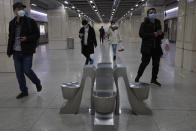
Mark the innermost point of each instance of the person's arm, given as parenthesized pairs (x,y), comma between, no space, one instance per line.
(109,31)
(94,35)
(144,34)
(35,34)
(9,42)
(118,36)
(160,32)
(80,34)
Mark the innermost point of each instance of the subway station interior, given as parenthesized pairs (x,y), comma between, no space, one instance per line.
(102,95)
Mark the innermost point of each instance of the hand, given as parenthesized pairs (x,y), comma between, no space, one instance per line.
(160,32)
(156,34)
(9,55)
(22,39)
(81,35)
(167,47)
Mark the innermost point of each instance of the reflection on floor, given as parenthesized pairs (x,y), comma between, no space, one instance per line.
(173,105)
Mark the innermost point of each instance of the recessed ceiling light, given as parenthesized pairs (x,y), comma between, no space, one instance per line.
(136,5)
(73,7)
(66,2)
(93,6)
(33,4)
(91,1)
(131,8)
(96,10)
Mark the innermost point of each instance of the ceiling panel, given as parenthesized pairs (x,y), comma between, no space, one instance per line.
(104,7)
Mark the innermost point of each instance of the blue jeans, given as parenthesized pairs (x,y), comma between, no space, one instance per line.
(114,48)
(23,65)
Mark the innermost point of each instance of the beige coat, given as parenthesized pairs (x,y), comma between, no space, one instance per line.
(114,36)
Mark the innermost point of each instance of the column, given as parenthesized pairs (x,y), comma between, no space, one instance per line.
(74,27)
(6,14)
(58,28)
(189,59)
(180,34)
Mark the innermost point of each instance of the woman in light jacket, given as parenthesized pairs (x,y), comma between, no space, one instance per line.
(114,37)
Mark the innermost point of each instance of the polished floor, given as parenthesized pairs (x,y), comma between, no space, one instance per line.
(173,105)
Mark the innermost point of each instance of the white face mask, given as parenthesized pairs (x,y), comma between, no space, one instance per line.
(21,13)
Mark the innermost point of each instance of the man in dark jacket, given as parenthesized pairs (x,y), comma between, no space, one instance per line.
(88,41)
(23,37)
(151,34)
(102,34)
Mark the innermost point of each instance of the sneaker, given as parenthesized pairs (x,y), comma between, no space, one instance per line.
(21,95)
(92,61)
(39,87)
(137,79)
(156,83)
(120,50)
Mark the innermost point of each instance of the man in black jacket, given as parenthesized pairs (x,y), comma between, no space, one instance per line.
(102,34)
(151,34)
(23,37)
(88,41)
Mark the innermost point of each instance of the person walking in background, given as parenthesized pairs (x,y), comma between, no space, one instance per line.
(23,37)
(114,37)
(165,45)
(102,34)
(151,34)
(88,41)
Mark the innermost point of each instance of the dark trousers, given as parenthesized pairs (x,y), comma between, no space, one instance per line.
(146,61)
(88,58)
(101,38)
(23,65)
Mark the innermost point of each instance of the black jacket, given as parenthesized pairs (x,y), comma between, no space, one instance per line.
(151,45)
(91,43)
(29,29)
(102,31)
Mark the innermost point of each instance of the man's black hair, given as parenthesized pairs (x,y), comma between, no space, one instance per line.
(84,22)
(148,11)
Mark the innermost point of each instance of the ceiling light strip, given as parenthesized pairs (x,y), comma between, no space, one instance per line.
(94,7)
(133,9)
(114,8)
(68,4)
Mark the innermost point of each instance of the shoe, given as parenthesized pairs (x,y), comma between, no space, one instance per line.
(120,50)
(39,87)
(21,95)
(92,61)
(137,79)
(156,83)
(114,58)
